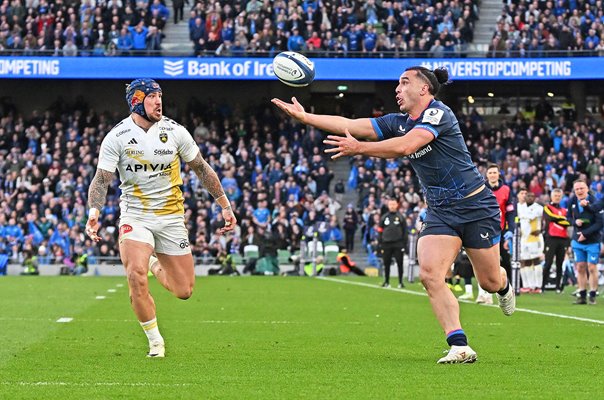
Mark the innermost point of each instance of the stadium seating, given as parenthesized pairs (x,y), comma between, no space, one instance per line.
(251,251)
(331,254)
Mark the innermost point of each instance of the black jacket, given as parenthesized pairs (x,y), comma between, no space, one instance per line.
(591,215)
(393,228)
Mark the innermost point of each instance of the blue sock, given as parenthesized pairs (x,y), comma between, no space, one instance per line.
(457,338)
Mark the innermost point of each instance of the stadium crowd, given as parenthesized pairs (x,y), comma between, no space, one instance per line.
(274,172)
(333,28)
(235,27)
(549,29)
(87,28)
(341,28)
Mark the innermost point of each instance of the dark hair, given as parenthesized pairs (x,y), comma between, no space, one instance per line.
(492,165)
(435,79)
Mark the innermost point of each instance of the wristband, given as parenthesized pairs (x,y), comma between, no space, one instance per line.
(227,199)
(94,213)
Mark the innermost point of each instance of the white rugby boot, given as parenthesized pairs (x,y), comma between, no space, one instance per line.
(507,302)
(157,350)
(459,355)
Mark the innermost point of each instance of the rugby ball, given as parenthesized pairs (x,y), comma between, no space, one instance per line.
(293,69)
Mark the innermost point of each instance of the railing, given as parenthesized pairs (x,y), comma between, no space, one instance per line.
(470,52)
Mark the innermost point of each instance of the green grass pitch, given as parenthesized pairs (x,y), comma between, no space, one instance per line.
(286,338)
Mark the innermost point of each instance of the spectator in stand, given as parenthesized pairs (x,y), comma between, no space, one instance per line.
(139,37)
(178,10)
(295,41)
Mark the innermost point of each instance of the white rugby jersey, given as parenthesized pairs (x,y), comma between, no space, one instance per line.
(530,220)
(149,165)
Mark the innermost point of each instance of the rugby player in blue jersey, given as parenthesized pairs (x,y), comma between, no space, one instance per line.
(462,211)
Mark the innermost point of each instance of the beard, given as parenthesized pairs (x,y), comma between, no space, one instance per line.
(155,117)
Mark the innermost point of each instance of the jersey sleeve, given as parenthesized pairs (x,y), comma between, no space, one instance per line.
(187,148)
(386,126)
(109,156)
(435,120)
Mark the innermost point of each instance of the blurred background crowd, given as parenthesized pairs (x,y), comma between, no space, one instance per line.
(274,172)
(397,28)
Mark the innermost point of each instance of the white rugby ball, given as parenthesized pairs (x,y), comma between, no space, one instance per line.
(293,69)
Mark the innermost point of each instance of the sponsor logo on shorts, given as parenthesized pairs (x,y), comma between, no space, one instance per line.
(485,236)
(423,227)
(184,243)
(125,229)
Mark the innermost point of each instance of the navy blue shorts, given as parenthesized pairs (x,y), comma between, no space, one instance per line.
(475,220)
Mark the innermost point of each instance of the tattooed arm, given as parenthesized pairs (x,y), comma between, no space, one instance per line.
(209,179)
(97,194)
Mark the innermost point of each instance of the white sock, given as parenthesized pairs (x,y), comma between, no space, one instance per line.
(482,292)
(470,290)
(538,276)
(152,331)
(524,273)
(152,261)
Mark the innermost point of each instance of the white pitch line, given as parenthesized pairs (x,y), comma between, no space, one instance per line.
(65,320)
(526,310)
(111,290)
(119,285)
(100,297)
(89,384)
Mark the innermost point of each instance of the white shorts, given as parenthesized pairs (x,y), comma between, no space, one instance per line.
(165,235)
(531,250)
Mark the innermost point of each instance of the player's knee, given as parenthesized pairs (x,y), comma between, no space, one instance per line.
(184,293)
(137,280)
(491,284)
(428,277)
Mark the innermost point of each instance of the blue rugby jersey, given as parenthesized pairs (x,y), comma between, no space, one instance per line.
(444,166)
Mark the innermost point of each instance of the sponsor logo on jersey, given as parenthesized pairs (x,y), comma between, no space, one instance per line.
(401,129)
(133,141)
(433,116)
(148,167)
(420,153)
(166,128)
(163,152)
(125,229)
(163,137)
(120,133)
(137,98)
(133,152)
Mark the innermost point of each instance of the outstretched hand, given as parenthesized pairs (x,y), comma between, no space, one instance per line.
(293,109)
(343,145)
(229,221)
(92,229)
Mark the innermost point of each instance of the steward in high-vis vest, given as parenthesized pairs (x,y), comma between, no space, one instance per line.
(30,264)
(347,265)
(556,237)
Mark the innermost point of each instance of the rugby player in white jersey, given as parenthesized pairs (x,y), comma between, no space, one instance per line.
(146,148)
